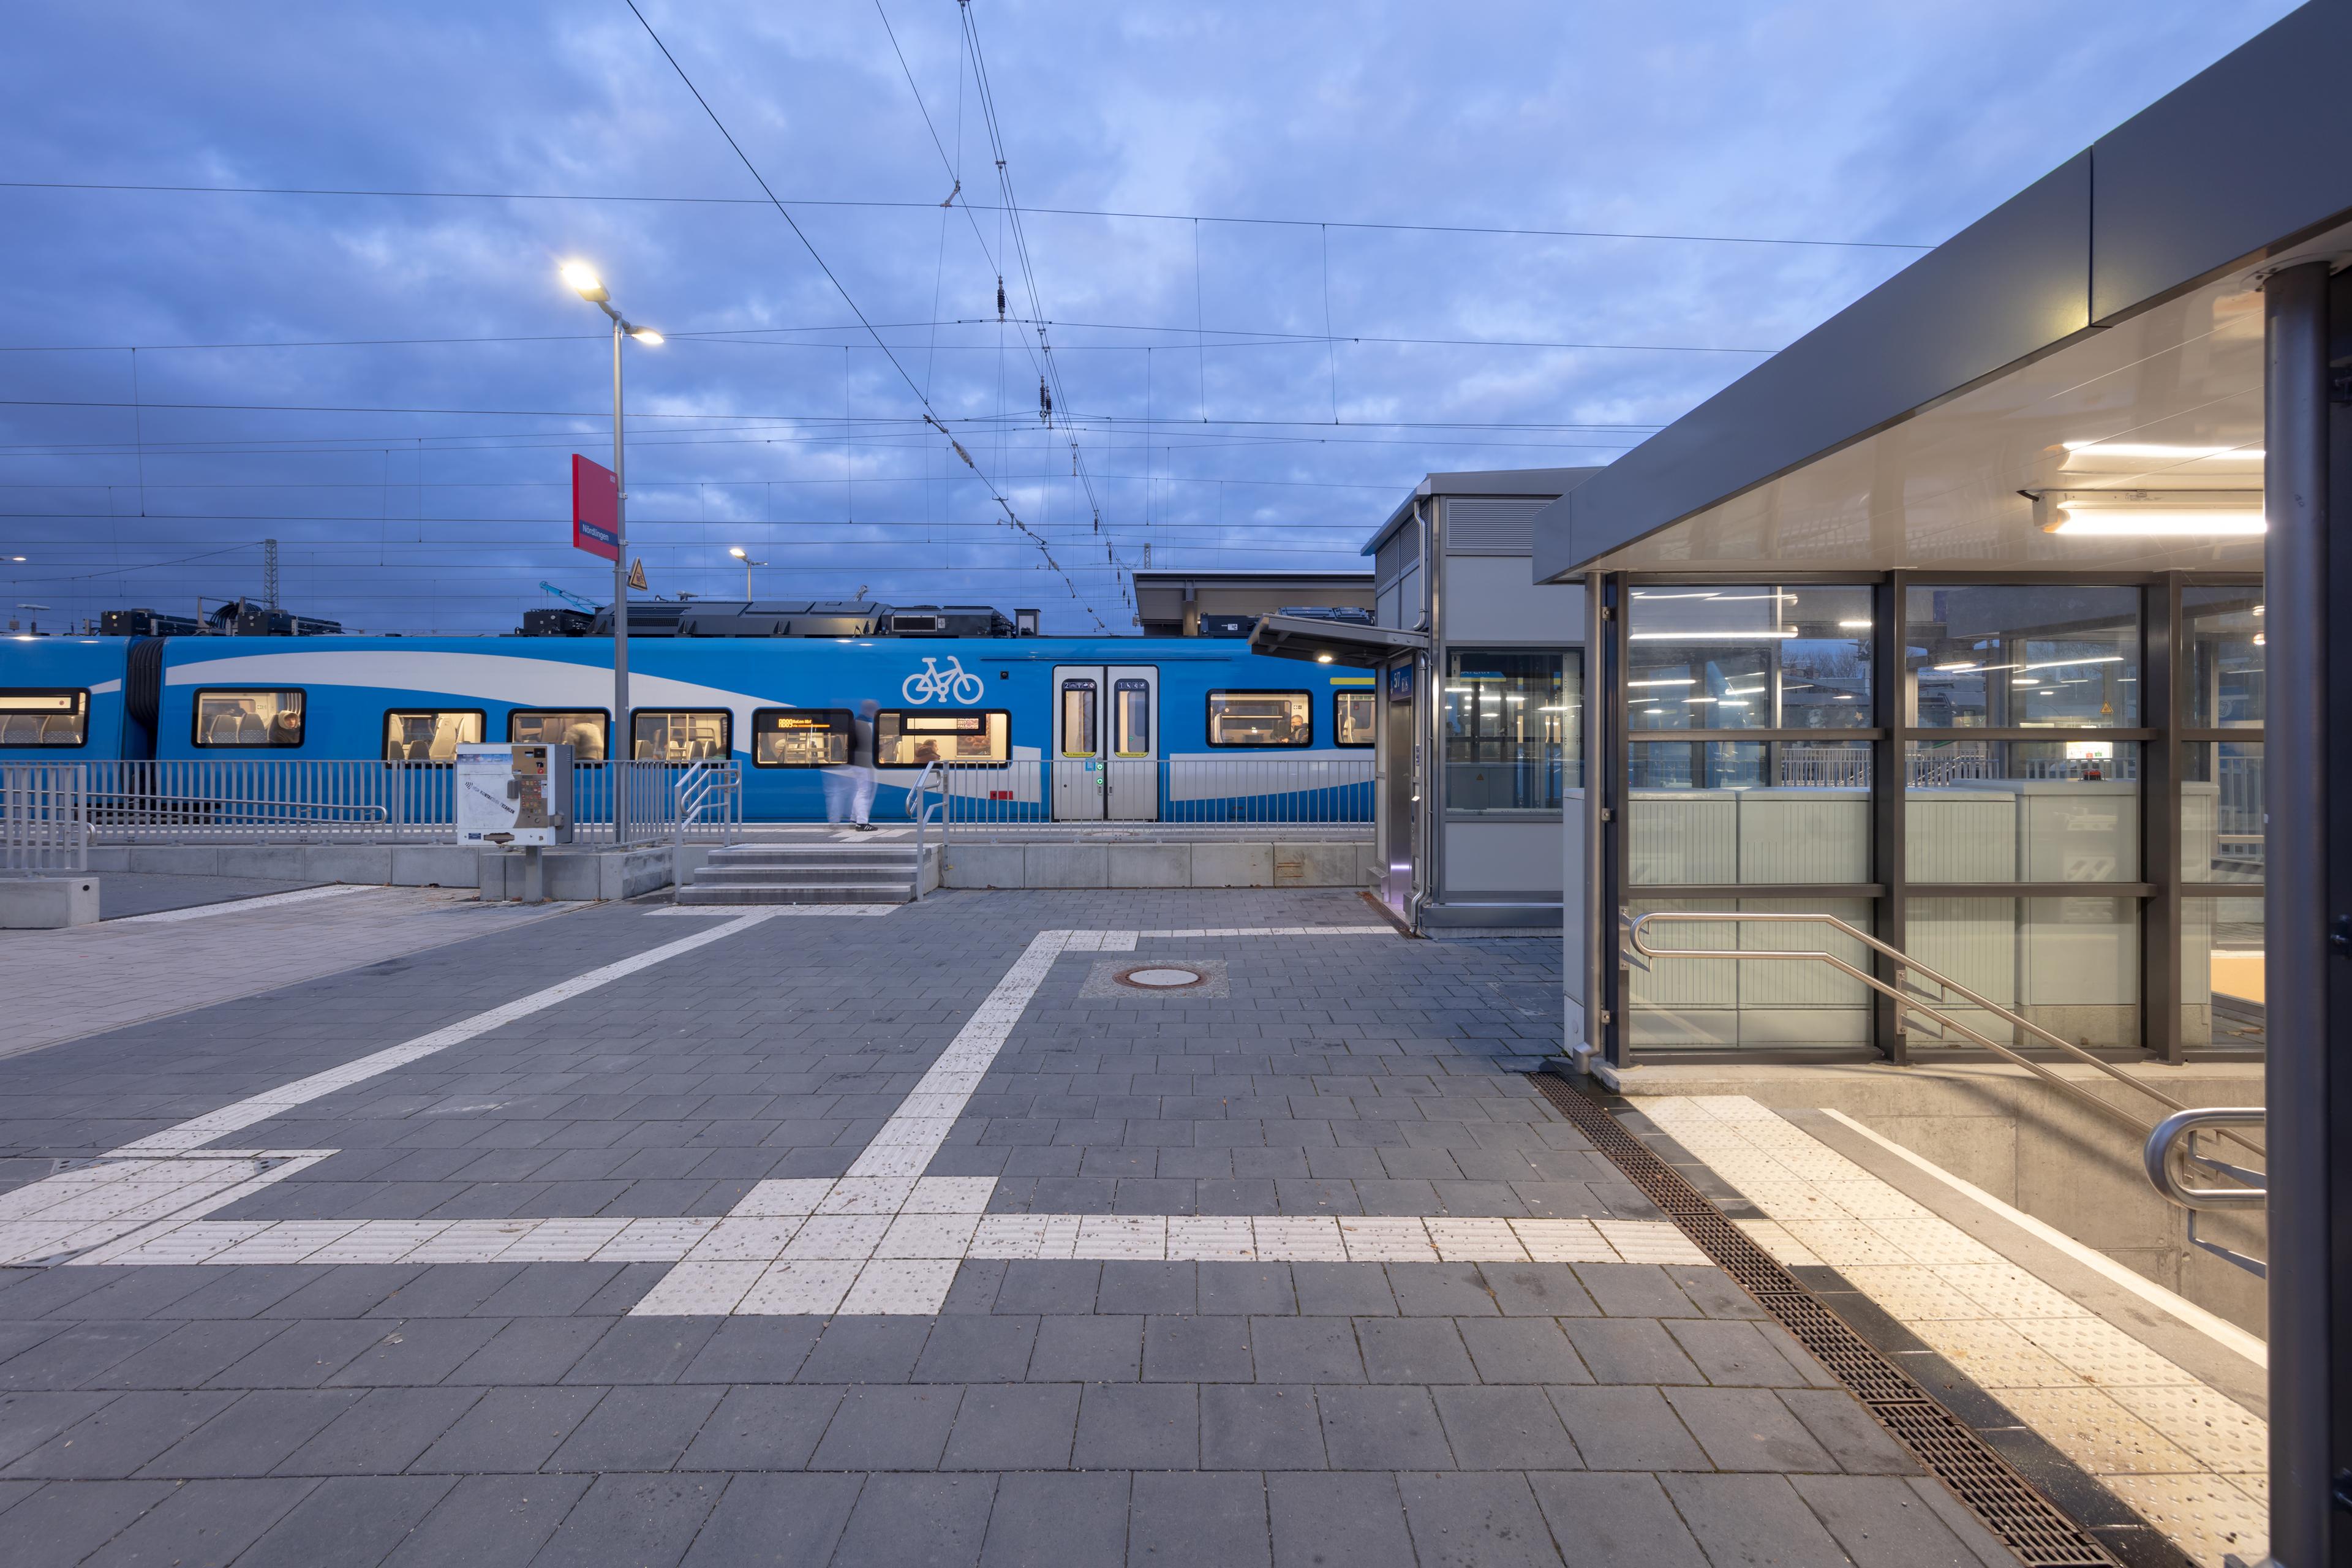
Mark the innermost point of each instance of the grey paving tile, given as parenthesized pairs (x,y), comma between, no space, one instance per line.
(65,1521)
(1440,1291)
(788,1521)
(1626,1428)
(490,1521)
(929,1519)
(1337,1521)
(762,1428)
(1611,1521)
(203,1524)
(753,1350)
(640,1521)
(641,1429)
(1413,1350)
(1050,1520)
(1087,1349)
(1138,1426)
(1633,1291)
(77,1354)
(548,1290)
(1710,1289)
(383,1434)
(507,1430)
(253,1436)
(1306,1350)
(1748,1429)
(1196,1350)
(138,1292)
(1752,1519)
(1250,1290)
(888,1429)
(1260,1427)
(643,1349)
(29,1420)
(1537,1289)
(1383,1428)
(1013,1426)
(189,1356)
(113,1441)
(352,1522)
(1882,1523)
(1505,1429)
(977,1348)
(530,1350)
(1734,1354)
(304,1356)
(1196,1518)
(1521,1350)
(867,1349)
(1630,1350)
(1048,1288)
(1169,1288)
(1342,1290)
(1490,1519)
(346,1290)
(1965,1526)
(415,1353)
(1839,1423)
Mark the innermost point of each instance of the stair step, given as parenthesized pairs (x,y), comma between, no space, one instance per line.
(804,876)
(794,893)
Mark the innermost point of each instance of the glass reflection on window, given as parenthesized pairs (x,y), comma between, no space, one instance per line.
(1749,657)
(2020,656)
(2225,674)
(1511,730)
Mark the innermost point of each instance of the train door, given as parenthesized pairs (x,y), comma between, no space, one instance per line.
(1106,742)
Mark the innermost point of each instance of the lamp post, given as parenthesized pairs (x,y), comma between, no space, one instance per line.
(737,552)
(616,747)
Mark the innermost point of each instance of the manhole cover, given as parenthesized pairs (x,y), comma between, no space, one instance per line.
(1160,977)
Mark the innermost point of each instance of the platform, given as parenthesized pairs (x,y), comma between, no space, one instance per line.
(1083,1227)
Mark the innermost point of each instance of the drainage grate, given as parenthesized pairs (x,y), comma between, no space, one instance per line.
(2027,1523)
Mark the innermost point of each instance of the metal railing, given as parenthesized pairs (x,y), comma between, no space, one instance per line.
(2252,1193)
(918,806)
(1912,1007)
(706,788)
(44,828)
(1318,789)
(252,800)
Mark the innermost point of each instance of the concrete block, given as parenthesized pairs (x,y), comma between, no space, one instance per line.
(1151,866)
(1368,866)
(986,866)
(106,857)
(435,865)
(1232,864)
(284,862)
(1068,864)
(1315,864)
(364,863)
(44,903)
(176,859)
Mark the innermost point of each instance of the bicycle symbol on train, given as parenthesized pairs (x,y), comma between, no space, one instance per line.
(933,684)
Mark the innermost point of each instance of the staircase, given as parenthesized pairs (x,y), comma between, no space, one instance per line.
(823,873)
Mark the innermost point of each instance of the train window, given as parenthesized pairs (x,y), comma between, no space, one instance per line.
(1131,716)
(1078,716)
(245,718)
(1261,718)
(909,737)
(800,737)
(680,735)
(1352,718)
(429,734)
(581,728)
(31,716)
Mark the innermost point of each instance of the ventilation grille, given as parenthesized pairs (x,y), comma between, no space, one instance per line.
(2027,1523)
(1485,527)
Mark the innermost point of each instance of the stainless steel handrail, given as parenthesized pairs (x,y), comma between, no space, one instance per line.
(916,793)
(709,783)
(2157,1159)
(1912,1001)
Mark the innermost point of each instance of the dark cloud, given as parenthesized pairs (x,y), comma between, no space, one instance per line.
(420,485)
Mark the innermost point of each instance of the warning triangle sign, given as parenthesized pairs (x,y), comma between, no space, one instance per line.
(636,572)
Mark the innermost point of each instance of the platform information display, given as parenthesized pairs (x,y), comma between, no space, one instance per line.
(518,795)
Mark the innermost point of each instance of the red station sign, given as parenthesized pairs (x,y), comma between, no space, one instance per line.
(595,509)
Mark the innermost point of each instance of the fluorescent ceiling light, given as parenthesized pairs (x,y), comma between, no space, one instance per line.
(1855,626)
(2151,515)
(1707,636)
(1951,669)
(1666,681)
(2161,449)
(2070,663)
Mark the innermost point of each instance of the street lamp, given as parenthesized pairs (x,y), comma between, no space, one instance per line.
(736,551)
(591,287)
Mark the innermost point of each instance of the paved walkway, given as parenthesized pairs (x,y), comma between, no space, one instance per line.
(942,1236)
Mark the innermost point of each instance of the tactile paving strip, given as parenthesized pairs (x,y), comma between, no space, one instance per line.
(2027,1523)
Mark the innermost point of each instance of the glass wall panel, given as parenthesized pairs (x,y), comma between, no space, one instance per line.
(2009,655)
(2221,828)
(1749,658)
(2021,811)
(2221,971)
(1702,811)
(1708,1004)
(1514,731)
(2224,679)
(2071,965)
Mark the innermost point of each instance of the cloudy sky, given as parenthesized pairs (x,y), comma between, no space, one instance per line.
(290,272)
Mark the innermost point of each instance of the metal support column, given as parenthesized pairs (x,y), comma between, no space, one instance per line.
(2160,761)
(1606,703)
(2306,972)
(1890,775)
(1599,919)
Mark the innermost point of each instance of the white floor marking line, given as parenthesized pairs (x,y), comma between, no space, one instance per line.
(2218,1330)
(780,909)
(237,906)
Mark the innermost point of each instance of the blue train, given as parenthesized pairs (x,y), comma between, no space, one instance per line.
(1167,724)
